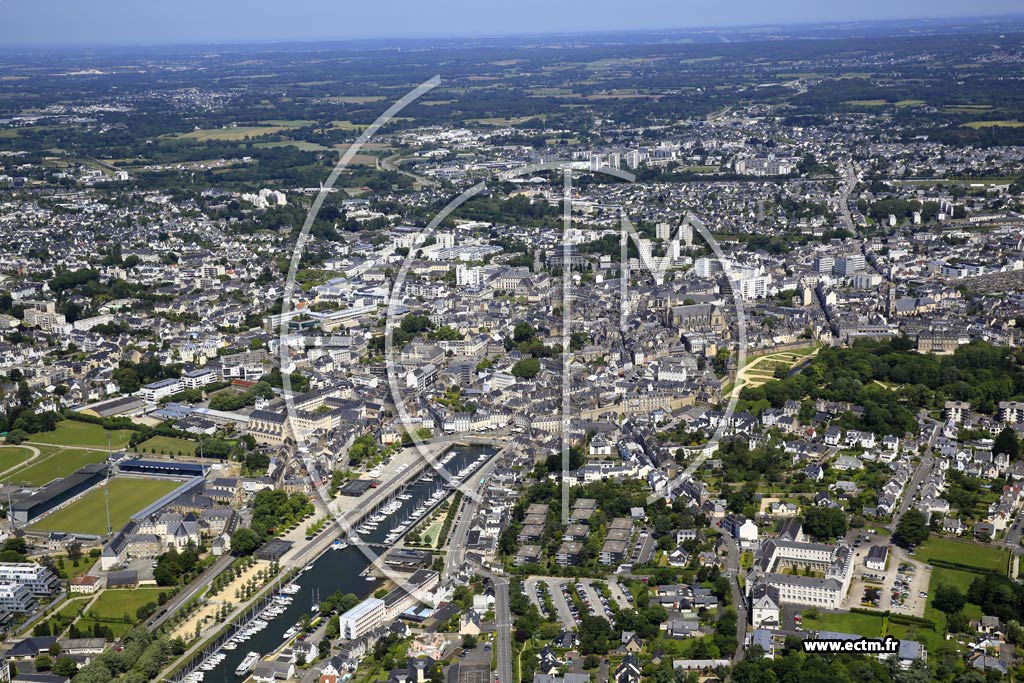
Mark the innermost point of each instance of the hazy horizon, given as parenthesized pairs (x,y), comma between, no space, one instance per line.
(125,23)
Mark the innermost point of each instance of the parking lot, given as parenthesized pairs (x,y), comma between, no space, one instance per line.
(556,587)
(594,599)
(902,587)
(533,591)
(621,595)
(591,594)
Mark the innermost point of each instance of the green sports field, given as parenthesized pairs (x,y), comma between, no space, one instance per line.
(167,445)
(53,462)
(83,434)
(12,456)
(88,515)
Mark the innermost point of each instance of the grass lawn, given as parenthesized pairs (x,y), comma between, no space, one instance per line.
(434,531)
(60,619)
(118,628)
(168,445)
(112,606)
(12,456)
(54,463)
(961,552)
(867,625)
(72,607)
(949,577)
(87,515)
(84,434)
(876,626)
(746,560)
(69,570)
(931,638)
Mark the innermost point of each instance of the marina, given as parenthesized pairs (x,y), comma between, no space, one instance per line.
(275,620)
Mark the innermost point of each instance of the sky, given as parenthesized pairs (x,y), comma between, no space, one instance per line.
(147,22)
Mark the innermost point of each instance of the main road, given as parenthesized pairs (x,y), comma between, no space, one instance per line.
(503,629)
(920,474)
(732,572)
(849,180)
(456,556)
(392,163)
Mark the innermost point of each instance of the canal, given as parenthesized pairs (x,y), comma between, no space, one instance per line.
(337,570)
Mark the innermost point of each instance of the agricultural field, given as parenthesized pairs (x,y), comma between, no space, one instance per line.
(87,515)
(83,434)
(356,99)
(501,121)
(347,125)
(54,462)
(236,133)
(965,108)
(298,144)
(167,445)
(994,124)
(885,102)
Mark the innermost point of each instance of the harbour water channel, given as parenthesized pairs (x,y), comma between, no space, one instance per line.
(340,570)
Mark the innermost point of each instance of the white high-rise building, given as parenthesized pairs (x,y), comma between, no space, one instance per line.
(753,287)
(686,234)
(824,264)
(707,267)
(361,619)
(468,276)
(848,265)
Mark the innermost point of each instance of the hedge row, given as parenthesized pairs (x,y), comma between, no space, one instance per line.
(947,564)
(904,619)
